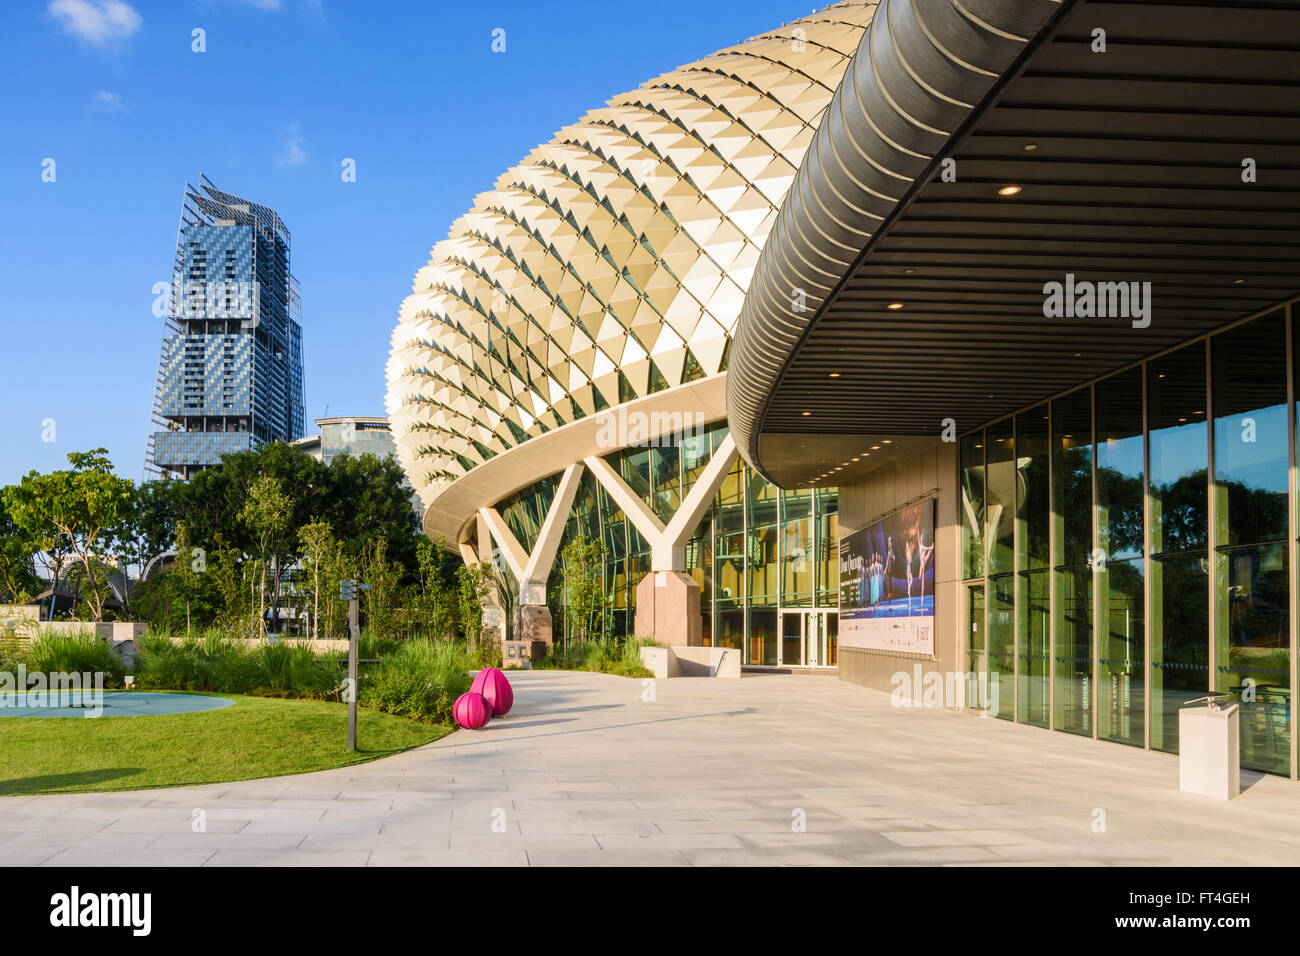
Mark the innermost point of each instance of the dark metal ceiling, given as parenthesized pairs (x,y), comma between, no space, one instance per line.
(1130,168)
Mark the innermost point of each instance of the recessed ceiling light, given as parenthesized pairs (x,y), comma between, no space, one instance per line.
(1011,189)
(857,459)
(805,414)
(1238,281)
(835,375)
(886,441)
(894,306)
(1078,355)
(908,272)
(1182,419)
(1201,412)
(875,448)
(1030,147)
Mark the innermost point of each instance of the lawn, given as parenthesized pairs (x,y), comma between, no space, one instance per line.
(258,737)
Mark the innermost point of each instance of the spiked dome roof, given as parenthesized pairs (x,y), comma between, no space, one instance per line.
(612,262)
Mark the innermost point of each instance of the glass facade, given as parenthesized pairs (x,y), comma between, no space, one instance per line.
(766,560)
(1127,547)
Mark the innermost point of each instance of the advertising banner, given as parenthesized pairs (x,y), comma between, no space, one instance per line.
(887,582)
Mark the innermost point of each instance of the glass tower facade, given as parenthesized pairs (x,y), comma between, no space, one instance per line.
(766,560)
(1129,546)
(230,374)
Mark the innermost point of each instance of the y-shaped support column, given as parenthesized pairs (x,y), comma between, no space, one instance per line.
(533,617)
(668,599)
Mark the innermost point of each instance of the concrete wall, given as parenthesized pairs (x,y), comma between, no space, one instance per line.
(866,499)
(24,622)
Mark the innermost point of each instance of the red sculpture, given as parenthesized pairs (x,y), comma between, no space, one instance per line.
(492,684)
(471,711)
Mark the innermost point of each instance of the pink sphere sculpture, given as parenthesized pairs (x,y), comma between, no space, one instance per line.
(492,684)
(471,711)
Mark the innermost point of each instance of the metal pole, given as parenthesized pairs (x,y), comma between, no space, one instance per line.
(354,633)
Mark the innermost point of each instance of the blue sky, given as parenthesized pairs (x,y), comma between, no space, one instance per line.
(113,93)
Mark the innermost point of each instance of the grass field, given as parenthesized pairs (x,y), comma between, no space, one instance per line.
(258,737)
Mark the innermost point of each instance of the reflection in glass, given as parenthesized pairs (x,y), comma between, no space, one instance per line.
(1250,432)
(1000,509)
(1072,478)
(1033,483)
(1179,461)
(1119,466)
(972,505)
(762,636)
(1002,643)
(1179,452)
(1253,649)
(1180,640)
(1035,646)
(1072,526)
(1252,601)
(1073,699)
(1121,688)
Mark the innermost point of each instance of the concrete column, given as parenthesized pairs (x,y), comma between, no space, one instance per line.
(668,599)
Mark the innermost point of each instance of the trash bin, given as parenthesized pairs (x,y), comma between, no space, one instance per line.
(1209,750)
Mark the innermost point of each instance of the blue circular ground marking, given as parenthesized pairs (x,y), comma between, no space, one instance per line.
(111,703)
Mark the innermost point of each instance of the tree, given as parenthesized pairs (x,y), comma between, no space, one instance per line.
(435,598)
(18,581)
(85,508)
(474,583)
(384,577)
(266,515)
(582,562)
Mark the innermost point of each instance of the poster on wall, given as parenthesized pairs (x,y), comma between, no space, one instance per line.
(887,582)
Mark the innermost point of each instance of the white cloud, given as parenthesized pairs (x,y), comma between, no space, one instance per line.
(107,102)
(96,22)
(291,148)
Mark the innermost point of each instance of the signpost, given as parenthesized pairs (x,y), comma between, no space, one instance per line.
(348,588)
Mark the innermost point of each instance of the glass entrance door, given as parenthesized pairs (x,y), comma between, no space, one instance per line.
(809,638)
(793,630)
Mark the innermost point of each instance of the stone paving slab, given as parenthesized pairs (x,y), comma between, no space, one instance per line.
(781,770)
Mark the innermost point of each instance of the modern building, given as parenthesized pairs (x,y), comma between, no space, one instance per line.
(230,372)
(560,367)
(1048,265)
(1013,368)
(349,435)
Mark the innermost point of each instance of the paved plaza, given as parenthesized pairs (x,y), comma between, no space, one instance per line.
(711,772)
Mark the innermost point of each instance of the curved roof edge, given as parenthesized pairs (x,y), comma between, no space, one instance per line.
(924,71)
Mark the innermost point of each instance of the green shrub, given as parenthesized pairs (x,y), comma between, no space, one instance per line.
(77,652)
(421,679)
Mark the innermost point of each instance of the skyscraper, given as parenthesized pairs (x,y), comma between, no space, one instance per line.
(230,371)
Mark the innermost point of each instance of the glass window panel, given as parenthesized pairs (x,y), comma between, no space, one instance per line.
(972,505)
(1179,451)
(1000,509)
(1119,466)
(1180,640)
(1121,690)
(1253,650)
(1002,644)
(731,628)
(1073,653)
(667,486)
(1250,432)
(1034,618)
(1034,488)
(828,548)
(1072,477)
(762,636)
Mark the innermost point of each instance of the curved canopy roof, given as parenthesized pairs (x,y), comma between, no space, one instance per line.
(975,153)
